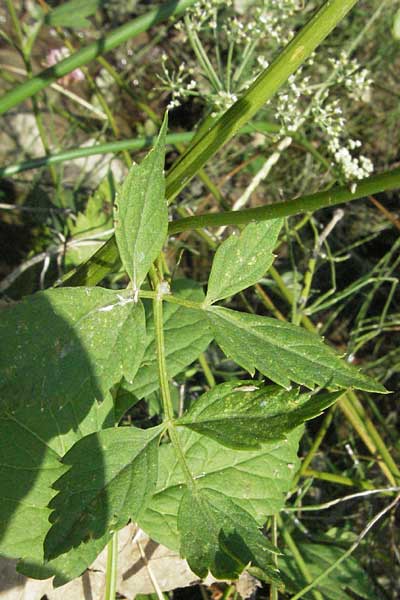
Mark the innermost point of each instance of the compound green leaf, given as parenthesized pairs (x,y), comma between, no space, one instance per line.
(245,414)
(61,352)
(254,480)
(112,476)
(242,260)
(283,352)
(141,215)
(347,580)
(220,537)
(187,333)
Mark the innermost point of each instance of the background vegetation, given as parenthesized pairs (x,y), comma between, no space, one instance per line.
(337,269)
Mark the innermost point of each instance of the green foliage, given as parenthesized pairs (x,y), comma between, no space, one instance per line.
(218,536)
(255,480)
(57,406)
(241,261)
(244,414)
(140,215)
(111,477)
(283,352)
(186,335)
(55,390)
(349,578)
(74,361)
(93,221)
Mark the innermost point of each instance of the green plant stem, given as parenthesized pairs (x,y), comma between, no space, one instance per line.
(112,568)
(228,592)
(162,365)
(164,384)
(315,446)
(201,54)
(207,371)
(171,298)
(339,479)
(114,147)
(266,300)
(389,180)
(82,57)
(106,148)
(297,556)
(16,26)
(273,589)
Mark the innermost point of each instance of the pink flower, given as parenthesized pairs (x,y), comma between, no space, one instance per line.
(54,56)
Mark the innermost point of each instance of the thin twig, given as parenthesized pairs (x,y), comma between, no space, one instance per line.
(152,577)
(90,240)
(33,209)
(342,499)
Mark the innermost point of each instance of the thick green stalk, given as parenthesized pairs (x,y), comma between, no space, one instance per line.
(91,51)
(389,180)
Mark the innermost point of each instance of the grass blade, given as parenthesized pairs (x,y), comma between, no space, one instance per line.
(82,57)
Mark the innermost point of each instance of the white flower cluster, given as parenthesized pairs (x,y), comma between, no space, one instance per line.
(205,12)
(327,114)
(177,82)
(352,167)
(242,29)
(287,108)
(243,35)
(253,24)
(356,80)
(222,101)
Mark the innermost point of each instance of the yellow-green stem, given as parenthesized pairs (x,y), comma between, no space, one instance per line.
(112,568)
